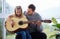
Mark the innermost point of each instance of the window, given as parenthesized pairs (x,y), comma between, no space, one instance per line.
(0,6)
(1,27)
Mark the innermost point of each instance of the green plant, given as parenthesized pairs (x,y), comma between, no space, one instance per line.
(56,24)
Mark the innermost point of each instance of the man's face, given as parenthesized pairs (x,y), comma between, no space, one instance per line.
(18,12)
(29,10)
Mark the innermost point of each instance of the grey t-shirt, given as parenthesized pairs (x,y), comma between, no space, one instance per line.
(34,17)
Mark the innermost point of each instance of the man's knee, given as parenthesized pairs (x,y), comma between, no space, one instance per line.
(18,37)
(43,35)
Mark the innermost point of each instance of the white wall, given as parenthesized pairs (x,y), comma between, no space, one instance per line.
(46,8)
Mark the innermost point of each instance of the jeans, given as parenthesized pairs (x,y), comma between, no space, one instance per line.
(24,34)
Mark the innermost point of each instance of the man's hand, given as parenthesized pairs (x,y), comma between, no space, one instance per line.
(32,22)
(38,23)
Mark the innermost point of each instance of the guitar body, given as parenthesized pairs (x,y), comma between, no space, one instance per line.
(16,25)
(19,23)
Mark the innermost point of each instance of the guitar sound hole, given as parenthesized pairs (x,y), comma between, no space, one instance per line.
(20,23)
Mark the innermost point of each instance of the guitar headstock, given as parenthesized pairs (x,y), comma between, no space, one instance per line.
(46,21)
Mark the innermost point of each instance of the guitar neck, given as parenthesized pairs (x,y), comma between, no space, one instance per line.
(45,21)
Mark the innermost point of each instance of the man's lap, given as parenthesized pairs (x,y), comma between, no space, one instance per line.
(38,35)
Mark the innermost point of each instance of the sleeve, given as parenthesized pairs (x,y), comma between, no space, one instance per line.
(38,17)
(39,28)
(25,13)
(8,18)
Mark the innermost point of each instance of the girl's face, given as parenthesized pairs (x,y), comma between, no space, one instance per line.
(18,12)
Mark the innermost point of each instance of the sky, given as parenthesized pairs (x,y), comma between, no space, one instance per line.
(46,8)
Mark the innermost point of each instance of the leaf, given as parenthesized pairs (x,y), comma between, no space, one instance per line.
(58,25)
(54,20)
(52,36)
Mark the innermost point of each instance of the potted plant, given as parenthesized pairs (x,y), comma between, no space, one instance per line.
(57,25)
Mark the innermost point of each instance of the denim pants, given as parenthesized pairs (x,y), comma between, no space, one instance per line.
(24,34)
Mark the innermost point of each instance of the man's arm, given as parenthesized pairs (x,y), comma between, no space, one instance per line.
(39,23)
(38,20)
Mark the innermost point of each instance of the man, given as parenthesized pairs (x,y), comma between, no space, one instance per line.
(24,33)
(35,28)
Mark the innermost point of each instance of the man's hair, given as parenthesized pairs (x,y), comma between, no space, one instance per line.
(32,7)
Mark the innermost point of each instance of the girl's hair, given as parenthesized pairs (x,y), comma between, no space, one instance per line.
(17,8)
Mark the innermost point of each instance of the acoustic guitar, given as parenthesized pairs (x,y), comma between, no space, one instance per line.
(19,24)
